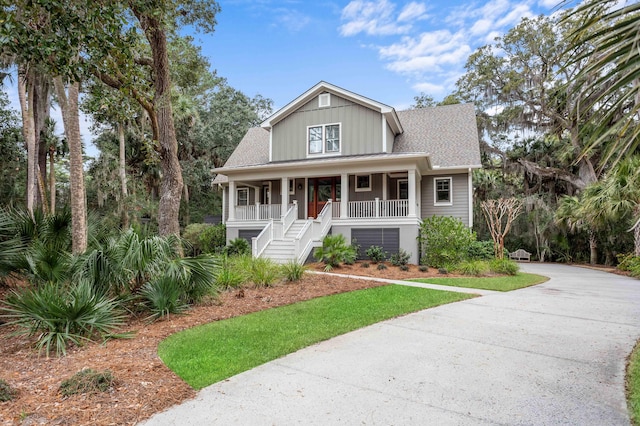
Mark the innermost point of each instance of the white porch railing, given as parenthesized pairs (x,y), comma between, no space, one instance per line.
(259,243)
(377,208)
(289,217)
(313,230)
(258,212)
(335,210)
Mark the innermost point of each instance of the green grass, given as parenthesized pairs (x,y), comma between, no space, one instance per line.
(508,283)
(212,352)
(633,385)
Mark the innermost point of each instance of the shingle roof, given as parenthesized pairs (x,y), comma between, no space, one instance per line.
(448,133)
(252,150)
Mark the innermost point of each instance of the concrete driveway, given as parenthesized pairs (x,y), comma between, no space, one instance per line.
(546,355)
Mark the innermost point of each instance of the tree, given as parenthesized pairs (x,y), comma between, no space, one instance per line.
(609,84)
(522,89)
(500,215)
(12,155)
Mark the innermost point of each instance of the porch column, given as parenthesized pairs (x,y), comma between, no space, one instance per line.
(412,192)
(232,200)
(224,203)
(344,195)
(284,196)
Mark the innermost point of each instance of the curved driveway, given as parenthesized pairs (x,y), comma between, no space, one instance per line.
(545,355)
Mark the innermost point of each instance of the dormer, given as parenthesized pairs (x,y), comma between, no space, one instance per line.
(328,121)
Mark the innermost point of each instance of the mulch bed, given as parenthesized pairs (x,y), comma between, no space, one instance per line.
(143,384)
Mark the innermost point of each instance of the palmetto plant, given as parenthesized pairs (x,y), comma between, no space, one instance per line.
(59,315)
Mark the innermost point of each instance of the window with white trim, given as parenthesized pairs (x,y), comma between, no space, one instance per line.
(243,196)
(442,191)
(363,183)
(323,139)
(324,100)
(292,186)
(403,189)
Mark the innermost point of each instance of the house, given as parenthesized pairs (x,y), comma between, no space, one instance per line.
(335,161)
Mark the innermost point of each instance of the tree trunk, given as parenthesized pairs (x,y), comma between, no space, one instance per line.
(25,90)
(593,248)
(122,171)
(52,179)
(171,185)
(187,216)
(41,111)
(70,118)
(636,240)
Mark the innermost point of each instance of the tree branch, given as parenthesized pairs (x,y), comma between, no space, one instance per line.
(553,172)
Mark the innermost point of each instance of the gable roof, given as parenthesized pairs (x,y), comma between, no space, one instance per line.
(448,133)
(323,87)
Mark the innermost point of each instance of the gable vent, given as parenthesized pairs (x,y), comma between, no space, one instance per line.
(324,100)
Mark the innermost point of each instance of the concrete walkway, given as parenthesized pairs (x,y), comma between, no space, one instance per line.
(545,355)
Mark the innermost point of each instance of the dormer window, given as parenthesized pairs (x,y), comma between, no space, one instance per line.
(323,139)
(324,100)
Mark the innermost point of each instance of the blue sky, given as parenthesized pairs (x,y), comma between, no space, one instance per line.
(387,50)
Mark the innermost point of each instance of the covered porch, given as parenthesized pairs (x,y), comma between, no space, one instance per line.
(354,196)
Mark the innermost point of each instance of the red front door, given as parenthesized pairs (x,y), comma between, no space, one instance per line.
(320,191)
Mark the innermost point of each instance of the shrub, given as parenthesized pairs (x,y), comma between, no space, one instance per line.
(481,250)
(404,267)
(365,264)
(444,240)
(629,262)
(7,392)
(87,381)
(191,236)
(504,266)
(237,246)
(401,258)
(381,266)
(443,271)
(196,276)
(59,315)
(335,251)
(213,238)
(423,268)
(231,274)
(376,254)
(293,271)
(164,296)
(473,267)
(264,272)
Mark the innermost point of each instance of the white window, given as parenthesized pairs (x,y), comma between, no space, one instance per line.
(363,183)
(324,100)
(243,196)
(442,188)
(323,139)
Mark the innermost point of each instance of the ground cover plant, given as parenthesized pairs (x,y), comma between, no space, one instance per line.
(633,385)
(87,381)
(213,352)
(334,251)
(501,283)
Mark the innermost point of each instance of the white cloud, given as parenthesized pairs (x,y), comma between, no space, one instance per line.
(491,37)
(481,26)
(429,88)
(515,16)
(378,17)
(293,20)
(431,63)
(413,11)
(549,4)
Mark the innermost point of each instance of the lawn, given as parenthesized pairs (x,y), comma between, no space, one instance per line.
(501,283)
(212,352)
(633,385)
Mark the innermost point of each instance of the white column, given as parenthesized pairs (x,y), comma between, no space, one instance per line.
(344,195)
(224,203)
(470,198)
(384,186)
(232,200)
(412,192)
(284,195)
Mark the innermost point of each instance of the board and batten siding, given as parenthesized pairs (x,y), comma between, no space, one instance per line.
(460,195)
(361,131)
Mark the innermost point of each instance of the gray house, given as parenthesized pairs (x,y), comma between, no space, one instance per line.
(335,161)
